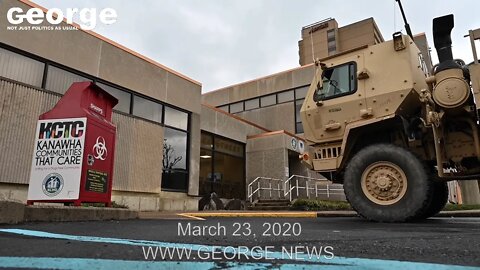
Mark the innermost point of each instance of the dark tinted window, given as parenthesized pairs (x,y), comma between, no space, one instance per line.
(337,81)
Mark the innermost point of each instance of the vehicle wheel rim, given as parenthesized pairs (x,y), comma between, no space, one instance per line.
(384,183)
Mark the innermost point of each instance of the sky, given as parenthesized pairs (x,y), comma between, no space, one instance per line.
(225,42)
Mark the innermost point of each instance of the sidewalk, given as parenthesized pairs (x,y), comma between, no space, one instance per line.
(278,214)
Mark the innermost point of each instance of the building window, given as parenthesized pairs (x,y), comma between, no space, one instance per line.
(124,98)
(337,81)
(252,104)
(224,108)
(331,42)
(21,68)
(331,34)
(59,80)
(268,100)
(176,118)
(298,118)
(301,92)
(285,96)
(147,109)
(175,160)
(236,107)
(222,167)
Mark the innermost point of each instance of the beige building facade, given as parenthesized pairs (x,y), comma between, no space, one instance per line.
(222,141)
(37,67)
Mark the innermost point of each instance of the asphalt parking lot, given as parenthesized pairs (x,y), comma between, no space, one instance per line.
(244,243)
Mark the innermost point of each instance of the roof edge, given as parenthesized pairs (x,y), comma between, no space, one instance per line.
(272,133)
(236,117)
(118,45)
(259,78)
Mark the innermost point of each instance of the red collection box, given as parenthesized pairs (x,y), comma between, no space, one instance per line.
(74,149)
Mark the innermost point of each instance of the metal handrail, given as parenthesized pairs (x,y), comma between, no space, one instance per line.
(252,192)
(288,188)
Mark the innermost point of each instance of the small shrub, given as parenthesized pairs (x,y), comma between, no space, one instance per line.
(456,207)
(320,205)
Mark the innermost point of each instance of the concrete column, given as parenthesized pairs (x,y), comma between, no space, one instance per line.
(194,155)
(470,192)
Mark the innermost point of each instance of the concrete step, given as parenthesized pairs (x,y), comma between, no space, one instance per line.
(272,204)
(276,208)
(273,201)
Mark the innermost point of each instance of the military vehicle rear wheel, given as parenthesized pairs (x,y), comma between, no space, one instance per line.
(387,183)
(438,201)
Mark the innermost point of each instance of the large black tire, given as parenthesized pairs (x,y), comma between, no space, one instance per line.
(438,201)
(378,167)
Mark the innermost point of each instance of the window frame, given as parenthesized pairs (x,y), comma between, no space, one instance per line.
(251,100)
(188,151)
(284,93)
(214,151)
(355,81)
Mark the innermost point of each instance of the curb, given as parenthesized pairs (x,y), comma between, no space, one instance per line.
(17,212)
(252,214)
(459,213)
(37,213)
(311,214)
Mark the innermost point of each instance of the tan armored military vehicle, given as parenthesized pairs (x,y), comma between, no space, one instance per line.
(393,134)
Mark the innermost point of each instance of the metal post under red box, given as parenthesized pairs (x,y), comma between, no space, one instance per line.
(74,149)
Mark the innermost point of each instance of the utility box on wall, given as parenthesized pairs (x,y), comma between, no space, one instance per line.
(74,149)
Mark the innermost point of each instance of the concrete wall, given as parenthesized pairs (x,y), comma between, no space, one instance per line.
(267,155)
(315,35)
(194,150)
(276,117)
(94,55)
(138,170)
(20,107)
(139,154)
(224,124)
(355,35)
(262,86)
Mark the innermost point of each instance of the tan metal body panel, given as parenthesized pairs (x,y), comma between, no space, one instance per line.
(327,122)
(388,84)
(475,78)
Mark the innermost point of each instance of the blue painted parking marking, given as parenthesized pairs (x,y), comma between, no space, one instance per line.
(301,261)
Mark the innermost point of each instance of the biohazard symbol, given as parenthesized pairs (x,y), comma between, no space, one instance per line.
(100,149)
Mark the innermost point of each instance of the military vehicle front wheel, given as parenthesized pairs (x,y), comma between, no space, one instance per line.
(387,183)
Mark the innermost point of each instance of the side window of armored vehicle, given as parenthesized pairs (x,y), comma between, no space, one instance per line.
(337,81)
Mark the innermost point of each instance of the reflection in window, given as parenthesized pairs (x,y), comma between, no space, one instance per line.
(224,108)
(122,96)
(228,176)
(175,149)
(228,147)
(59,80)
(20,68)
(285,96)
(175,173)
(298,118)
(147,109)
(176,118)
(337,81)
(252,104)
(222,168)
(268,100)
(301,92)
(236,107)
